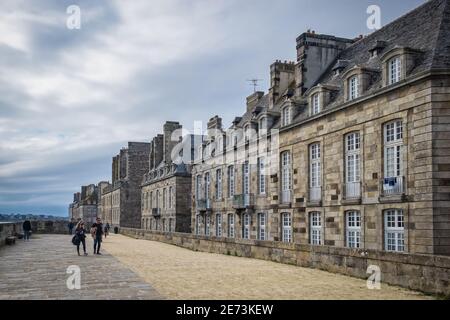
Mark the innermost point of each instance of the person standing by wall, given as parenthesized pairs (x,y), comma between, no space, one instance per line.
(26,226)
(97,233)
(80,233)
(70,226)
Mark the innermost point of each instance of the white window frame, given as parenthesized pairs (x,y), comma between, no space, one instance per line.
(207,185)
(286,176)
(315,102)
(208,225)
(315,166)
(394,230)
(198,186)
(287,116)
(262,126)
(246,226)
(246,178)
(262,226)
(261,176)
(286,224)
(393,149)
(231,181)
(353,229)
(170,197)
(218,184)
(231,225)
(315,227)
(353,87)
(394,70)
(219,225)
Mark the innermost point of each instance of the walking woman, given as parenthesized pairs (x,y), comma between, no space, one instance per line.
(80,233)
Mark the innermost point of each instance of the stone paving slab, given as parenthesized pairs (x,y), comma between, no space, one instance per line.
(36,270)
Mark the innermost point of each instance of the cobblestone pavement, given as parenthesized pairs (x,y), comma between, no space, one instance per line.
(178,273)
(37,270)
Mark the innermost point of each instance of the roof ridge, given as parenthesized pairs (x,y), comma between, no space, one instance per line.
(413,11)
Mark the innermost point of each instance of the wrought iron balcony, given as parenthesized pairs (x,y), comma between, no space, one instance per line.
(392,186)
(203,204)
(156,212)
(243,201)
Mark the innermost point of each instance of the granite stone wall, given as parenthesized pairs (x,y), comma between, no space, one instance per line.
(426,273)
(42,227)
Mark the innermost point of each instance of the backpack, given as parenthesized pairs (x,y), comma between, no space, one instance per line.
(76,240)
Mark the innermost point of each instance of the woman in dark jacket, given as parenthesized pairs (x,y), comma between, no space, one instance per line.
(81,234)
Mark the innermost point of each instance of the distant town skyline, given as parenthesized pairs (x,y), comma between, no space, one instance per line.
(70,99)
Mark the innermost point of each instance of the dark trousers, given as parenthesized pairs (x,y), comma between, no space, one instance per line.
(26,234)
(82,241)
(97,244)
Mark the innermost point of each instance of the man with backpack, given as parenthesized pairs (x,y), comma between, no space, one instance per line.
(97,233)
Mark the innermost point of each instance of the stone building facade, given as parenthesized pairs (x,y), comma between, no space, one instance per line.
(104,206)
(84,205)
(359,145)
(166,187)
(122,199)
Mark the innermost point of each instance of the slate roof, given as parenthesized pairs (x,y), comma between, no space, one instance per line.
(426,28)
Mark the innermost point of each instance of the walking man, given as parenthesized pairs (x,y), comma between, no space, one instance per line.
(26,230)
(97,233)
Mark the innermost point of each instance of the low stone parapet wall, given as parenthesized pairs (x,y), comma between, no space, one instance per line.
(44,227)
(426,273)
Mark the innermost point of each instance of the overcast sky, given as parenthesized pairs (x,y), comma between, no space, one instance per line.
(70,99)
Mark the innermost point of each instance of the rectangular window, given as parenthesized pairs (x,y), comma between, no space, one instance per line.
(198,224)
(287,227)
(164,198)
(246,177)
(393,156)
(286,116)
(170,197)
(261,176)
(315,104)
(246,227)
(261,226)
(352,165)
(230,181)
(198,187)
(395,70)
(219,225)
(315,173)
(286,179)
(353,229)
(315,223)
(353,88)
(207,185)
(207,225)
(231,232)
(218,184)
(394,225)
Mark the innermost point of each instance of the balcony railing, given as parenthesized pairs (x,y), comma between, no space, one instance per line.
(243,201)
(156,212)
(315,194)
(393,186)
(203,204)
(352,190)
(286,197)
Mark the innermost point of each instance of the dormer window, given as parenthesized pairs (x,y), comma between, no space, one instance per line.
(394,70)
(353,91)
(247,133)
(262,126)
(287,116)
(315,104)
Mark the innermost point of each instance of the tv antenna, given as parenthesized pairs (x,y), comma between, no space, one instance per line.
(254,83)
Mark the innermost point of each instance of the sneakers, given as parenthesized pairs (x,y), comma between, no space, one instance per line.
(99,253)
(85,253)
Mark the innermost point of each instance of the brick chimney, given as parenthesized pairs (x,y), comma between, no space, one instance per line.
(281,75)
(315,53)
(253,100)
(169,141)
